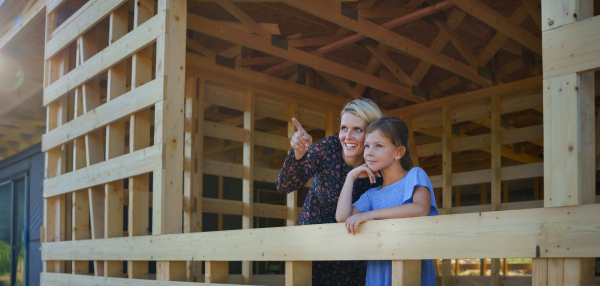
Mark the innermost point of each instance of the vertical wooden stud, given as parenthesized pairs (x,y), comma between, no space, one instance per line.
(411,140)
(220,190)
(495,153)
(329,124)
(446,180)
(248,177)
(495,275)
(292,198)
(406,272)
(189,181)
(539,271)
(216,271)
(505,191)
(298,273)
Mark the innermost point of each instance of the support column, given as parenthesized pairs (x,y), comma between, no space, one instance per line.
(167,216)
(446,181)
(292,198)
(248,177)
(496,182)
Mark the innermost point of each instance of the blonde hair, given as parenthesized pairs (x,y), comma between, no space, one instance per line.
(364,108)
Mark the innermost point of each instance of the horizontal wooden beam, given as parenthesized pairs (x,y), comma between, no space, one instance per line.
(131,102)
(548,232)
(129,165)
(470,96)
(126,46)
(48,278)
(573,48)
(511,136)
(233,133)
(215,29)
(79,23)
(525,171)
(230,207)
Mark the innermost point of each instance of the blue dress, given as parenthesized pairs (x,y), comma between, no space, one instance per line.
(379,272)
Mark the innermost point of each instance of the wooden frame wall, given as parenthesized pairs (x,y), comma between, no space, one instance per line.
(87,158)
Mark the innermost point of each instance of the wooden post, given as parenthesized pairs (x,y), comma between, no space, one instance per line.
(216,271)
(406,272)
(298,273)
(189,180)
(220,190)
(197,265)
(292,198)
(496,175)
(167,201)
(569,138)
(115,142)
(539,270)
(411,141)
(446,180)
(248,177)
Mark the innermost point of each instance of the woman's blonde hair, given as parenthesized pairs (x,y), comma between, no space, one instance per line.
(364,108)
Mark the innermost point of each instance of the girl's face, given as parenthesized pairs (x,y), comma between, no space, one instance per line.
(352,135)
(380,153)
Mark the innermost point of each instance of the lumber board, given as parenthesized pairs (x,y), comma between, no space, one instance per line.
(496,163)
(556,232)
(59,279)
(131,102)
(556,14)
(569,136)
(572,48)
(127,45)
(406,272)
(81,22)
(129,165)
(461,98)
(447,175)
(298,273)
(524,171)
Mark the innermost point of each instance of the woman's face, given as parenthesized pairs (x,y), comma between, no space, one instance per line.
(352,135)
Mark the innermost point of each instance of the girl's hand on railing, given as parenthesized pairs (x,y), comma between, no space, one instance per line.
(353,222)
(301,141)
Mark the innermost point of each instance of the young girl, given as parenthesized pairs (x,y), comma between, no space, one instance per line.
(406,191)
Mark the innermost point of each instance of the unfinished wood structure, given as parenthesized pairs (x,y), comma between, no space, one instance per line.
(145,100)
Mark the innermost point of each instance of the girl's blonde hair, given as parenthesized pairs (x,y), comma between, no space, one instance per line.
(364,108)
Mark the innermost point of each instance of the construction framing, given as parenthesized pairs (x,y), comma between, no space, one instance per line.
(130,125)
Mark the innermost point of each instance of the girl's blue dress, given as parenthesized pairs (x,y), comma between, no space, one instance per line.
(379,272)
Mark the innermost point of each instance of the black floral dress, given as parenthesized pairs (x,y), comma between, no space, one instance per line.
(324,163)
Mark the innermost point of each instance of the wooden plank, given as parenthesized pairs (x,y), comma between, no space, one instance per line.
(244,18)
(540,272)
(199,158)
(217,272)
(556,271)
(110,112)
(107,58)
(298,273)
(189,158)
(524,171)
(496,154)
(500,23)
(447,159)
(213,28)
(534,11)
(392,66)
(517,233)
(248,177)
(557,14)
(82,22)
(572,48)
(495,274)
(569,134)
(446,272)
(135,163)
(579,271)
(459,44)
(57,279)
(470,96)
(291,198)
(406,272)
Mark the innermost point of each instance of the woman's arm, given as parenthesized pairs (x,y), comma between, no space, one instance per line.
(420,206)
(345,209)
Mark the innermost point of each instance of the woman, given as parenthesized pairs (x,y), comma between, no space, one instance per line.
(328,162)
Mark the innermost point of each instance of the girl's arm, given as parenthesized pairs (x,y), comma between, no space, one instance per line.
(345,209)
(420,206)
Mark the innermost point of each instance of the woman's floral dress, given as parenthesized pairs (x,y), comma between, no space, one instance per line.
(324,163)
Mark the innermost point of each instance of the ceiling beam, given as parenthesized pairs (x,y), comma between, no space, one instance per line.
(215,29)
(500,23)
(331,10)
